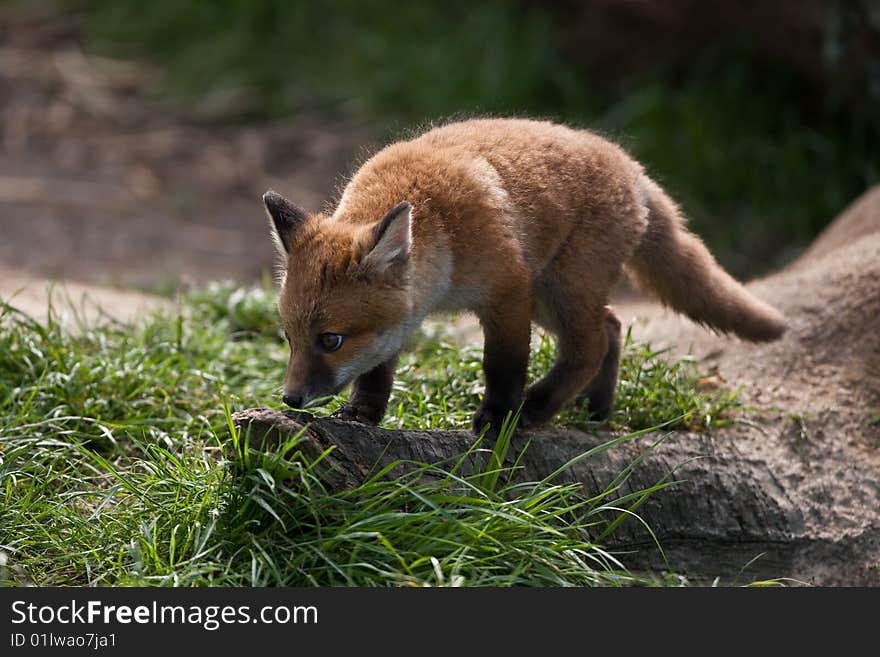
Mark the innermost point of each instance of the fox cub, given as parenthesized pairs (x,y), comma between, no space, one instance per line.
(515,220)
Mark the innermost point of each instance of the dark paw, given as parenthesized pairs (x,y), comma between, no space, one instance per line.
(533,415)
(600,402)
(600,407)
(355,413)
(492,417)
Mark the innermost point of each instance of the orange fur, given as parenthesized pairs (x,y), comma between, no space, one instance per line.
(515,220)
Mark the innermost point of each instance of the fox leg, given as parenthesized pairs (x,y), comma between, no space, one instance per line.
(583,344)
(506,330)
(602,389)
(369,395)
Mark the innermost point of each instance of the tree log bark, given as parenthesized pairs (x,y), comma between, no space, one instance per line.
(728,517)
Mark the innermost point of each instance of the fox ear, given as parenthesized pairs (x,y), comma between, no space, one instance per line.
(286,217)
(392,239)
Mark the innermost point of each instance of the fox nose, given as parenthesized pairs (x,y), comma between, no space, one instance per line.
(294,401)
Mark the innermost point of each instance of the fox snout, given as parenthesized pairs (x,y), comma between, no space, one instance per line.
(309,379)
(292,400)
(297,399)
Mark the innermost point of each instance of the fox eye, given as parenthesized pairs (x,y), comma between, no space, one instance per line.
(330,341)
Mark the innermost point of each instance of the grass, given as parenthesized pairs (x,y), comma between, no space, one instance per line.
(115,465)
(439,385)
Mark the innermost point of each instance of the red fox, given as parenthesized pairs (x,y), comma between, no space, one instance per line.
(515,220)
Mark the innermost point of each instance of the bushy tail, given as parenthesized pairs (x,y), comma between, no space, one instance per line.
(674,264)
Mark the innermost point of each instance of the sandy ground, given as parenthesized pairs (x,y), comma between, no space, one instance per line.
(73,302)
(100,184)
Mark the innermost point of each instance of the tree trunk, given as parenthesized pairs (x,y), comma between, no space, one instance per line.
(725,511)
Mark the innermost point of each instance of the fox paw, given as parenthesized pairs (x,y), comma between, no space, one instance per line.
(533,415)
(490,417)
(600,406)
(356,413)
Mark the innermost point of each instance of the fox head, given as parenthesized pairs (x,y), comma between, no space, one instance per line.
(343,301)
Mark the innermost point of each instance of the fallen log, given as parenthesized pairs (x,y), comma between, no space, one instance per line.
(726,517)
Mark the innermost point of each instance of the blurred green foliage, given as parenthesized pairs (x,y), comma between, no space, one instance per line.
(759,159)
(414,59)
